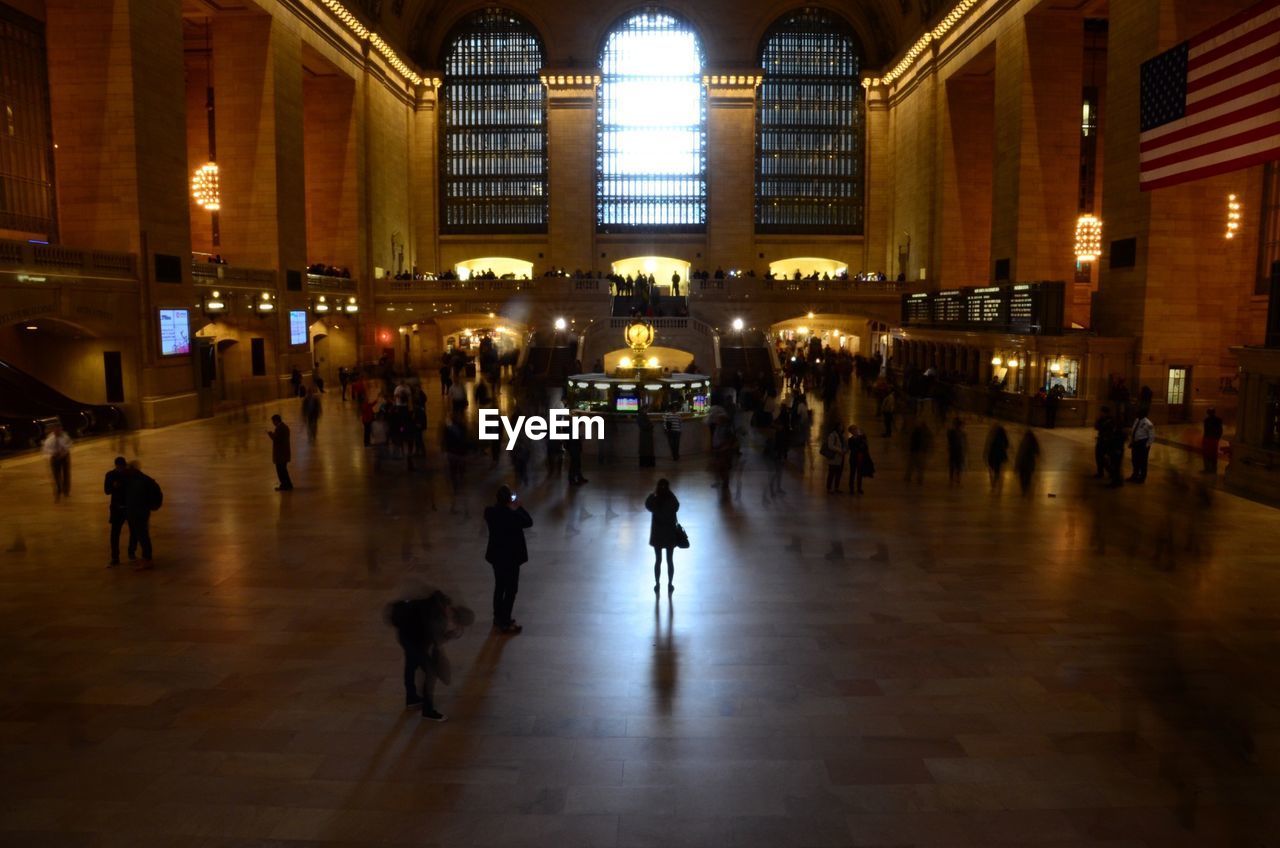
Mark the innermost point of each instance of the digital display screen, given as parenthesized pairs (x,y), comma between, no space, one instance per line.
(626,404)
(700,403)
(297,327)
(175,332)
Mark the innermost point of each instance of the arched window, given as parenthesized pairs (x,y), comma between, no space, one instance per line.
(810,132)
(652,169)
(494,148)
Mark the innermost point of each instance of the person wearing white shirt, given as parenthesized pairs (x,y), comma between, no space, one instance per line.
(57,446)
(1140,439)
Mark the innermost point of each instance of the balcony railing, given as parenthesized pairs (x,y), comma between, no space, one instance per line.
(214,273)
(325,282)
(58,260)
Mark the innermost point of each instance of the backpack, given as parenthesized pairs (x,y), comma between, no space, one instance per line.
(155,497)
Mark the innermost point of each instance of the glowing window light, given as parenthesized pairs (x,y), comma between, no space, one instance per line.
(1088,238)
(1233,215)
(997,361)
(204,187)
(652,125)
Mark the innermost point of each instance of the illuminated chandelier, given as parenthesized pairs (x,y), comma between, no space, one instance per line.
(204,187)
(1088,238)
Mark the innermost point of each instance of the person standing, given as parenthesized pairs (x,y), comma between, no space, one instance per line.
(1140,439)
(664,531)
(1025,461)
(1103,427)
(860,464)
(311,409)
(919,443)
(113,485)
(645,440)
(671,424)
(997,455)
(57,446)
(955,451)
(295,380)
(423,625)
(507,520)
(573,446)
(1210,441)
(142,496)
(281,453)
(343,379)
(833,450)
(1051,403)
(887,408)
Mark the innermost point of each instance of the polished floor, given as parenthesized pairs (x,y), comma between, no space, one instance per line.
(925,666)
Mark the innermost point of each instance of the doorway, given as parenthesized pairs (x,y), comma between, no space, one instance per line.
(1178,394)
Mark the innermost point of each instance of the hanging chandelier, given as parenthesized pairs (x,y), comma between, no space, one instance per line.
(1088,238)
(1233,216)
(204,187)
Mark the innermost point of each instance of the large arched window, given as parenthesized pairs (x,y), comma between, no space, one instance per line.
(809,140)
(652,169)
(494,147)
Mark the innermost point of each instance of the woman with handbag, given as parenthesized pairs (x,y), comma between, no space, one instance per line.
(860,464)
(833,451)
(665,533)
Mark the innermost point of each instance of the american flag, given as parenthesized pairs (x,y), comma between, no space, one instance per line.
(1212,104)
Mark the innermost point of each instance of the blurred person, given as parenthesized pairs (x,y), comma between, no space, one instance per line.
(888,405)
(506,552)
(142,496)
(573,446)
(644,440)
(997,454)
(1102,427)
(833,450)
(955,451)
(423,625)
(1210,440)
(671,425)
(311,410)
(860,464)
(456,444)
(1141,437)
(1024,463)
(665,533)
(919,444)
(117,516)
(57,446)
(281,453)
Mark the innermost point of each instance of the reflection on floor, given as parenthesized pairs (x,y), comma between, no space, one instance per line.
(924,666)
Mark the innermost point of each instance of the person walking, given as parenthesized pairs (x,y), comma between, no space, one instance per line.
(295,380)
(142,496)
(997,455)
(573,446)
(665,533)
(57,446)
(113,485)
(833,451)
(280,452)
(920,442)
(1024,463)
(423,625)
(507,520)
(1102,427)
(860,464)
(955,451)
(645,439)
(311,410)
(888,406)
(671,424)
(1210,440)
(1140,440)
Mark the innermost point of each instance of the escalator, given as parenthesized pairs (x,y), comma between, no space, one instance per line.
(28,408)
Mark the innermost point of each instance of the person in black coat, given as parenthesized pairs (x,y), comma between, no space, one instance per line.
(423,624)
(117,516)
(664,531)
(507,521)
(141,496)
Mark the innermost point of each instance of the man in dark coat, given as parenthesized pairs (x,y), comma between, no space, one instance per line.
(117,516)
(507,521)
(280,452)
(141,497)
(423,624)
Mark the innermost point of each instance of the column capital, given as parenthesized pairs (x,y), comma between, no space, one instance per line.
(570,87)
(732,86)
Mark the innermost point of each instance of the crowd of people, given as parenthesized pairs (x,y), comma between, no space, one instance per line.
(324,270)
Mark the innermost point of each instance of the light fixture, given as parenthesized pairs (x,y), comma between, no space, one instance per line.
(32,327)
(1055,367)
(1088,238)
(560,324)
(997,361)
(624,362)
(810,316)
(1233,215)
(490,314)
(322,305)
(351,305)
(215,303)
(652,362)
(804,331)
(204,187)
(1014,363)
(737,325)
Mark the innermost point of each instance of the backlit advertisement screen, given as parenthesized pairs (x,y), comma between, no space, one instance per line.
(297,327)
(175,332)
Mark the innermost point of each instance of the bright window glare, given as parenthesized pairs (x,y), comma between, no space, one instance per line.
(652,139)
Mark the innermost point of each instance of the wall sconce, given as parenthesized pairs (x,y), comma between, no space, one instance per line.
(321,305)
(997,361)
(560,324)
(351,305)
(1014,363)
(265,304)
(1233,216)
(737,325)
(214,302)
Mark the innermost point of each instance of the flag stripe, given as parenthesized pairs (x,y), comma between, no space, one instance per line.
(1267,103)
(1209,56)
(1212,170)
(1221,156)
(1268,54)
(1266,128)
(1262,95)
(1229,89)
(1237,20)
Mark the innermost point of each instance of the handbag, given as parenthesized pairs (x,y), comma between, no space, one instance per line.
(827,452)
(682,538)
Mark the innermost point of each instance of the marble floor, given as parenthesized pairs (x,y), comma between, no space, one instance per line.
(925,666)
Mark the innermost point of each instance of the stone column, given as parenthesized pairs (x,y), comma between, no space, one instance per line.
(571,179)
(878,182)
(1038,91)
(731,168)
(425,167)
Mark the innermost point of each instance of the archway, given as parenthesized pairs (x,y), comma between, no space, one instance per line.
(661,267)
(808,266)
(501,267)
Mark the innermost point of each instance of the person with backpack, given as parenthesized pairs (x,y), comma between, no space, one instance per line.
(423,625)
(113,485)
(142,496)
